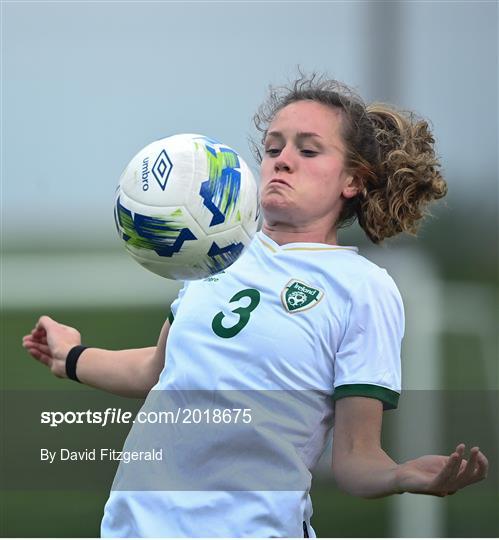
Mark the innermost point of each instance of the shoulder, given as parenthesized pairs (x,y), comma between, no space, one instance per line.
(364,273)
(356,274)
(372,293)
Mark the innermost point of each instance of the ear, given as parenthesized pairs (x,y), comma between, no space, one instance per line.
(352,187)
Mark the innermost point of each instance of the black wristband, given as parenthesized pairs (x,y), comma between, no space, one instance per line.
(72,360)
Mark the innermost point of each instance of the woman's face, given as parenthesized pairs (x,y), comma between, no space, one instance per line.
(302,173)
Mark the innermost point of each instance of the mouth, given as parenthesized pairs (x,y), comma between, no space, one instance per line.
(279,181)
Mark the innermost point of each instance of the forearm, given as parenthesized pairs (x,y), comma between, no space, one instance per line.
(129,373)
(370,474)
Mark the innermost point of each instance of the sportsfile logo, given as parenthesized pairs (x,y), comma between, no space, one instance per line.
(298,296)
(162,168)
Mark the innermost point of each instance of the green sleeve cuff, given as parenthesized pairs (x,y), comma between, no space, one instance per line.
(170,317)
(389,397)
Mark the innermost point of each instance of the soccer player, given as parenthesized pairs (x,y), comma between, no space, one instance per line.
(297,311)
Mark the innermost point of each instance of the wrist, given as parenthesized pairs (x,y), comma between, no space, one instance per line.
(72,358)
(399,476)
(62,350)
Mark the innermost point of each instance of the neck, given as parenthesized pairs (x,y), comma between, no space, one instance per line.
(286,235)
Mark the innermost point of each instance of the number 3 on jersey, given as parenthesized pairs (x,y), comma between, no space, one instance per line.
(243,312)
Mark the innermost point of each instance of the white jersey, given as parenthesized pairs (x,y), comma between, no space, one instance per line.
(315,319)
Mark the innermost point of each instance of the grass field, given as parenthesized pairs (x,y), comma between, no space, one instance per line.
(56,513)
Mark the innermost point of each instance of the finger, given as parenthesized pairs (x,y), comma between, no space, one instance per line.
(38,355)
(31,345)
(467,472)
(473,461)
(43,322)
(38,328)
(28,341)
(483,465)
(35,339)
(460,449)
(38,334)
(478,471)
(450,470)
(455,466)
(39,347)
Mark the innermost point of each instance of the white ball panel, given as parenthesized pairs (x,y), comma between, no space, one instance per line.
(163,172)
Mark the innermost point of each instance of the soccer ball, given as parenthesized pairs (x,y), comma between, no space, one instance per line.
(186,207)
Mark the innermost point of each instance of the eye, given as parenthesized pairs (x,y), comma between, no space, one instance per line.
(272,151)
(309,153)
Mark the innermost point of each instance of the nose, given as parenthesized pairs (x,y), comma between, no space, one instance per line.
(281,165)
(284,161)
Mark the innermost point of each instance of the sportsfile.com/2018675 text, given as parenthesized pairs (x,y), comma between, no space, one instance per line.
(113,415)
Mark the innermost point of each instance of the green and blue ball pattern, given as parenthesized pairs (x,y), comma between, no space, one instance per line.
(220,191)
(163,236)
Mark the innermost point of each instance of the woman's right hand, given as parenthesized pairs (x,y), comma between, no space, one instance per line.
(49,342)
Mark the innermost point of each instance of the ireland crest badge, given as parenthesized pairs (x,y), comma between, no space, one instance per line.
(298,296)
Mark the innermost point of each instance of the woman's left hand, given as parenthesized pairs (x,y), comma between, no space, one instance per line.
(442,475)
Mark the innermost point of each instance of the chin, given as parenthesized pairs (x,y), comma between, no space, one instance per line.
(273,202)
(276,209)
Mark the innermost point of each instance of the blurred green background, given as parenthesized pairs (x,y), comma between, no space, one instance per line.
(466,380)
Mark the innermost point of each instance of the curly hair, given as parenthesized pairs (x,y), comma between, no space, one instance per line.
(389,152)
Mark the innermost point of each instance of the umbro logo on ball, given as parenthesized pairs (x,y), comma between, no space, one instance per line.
(162,168)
